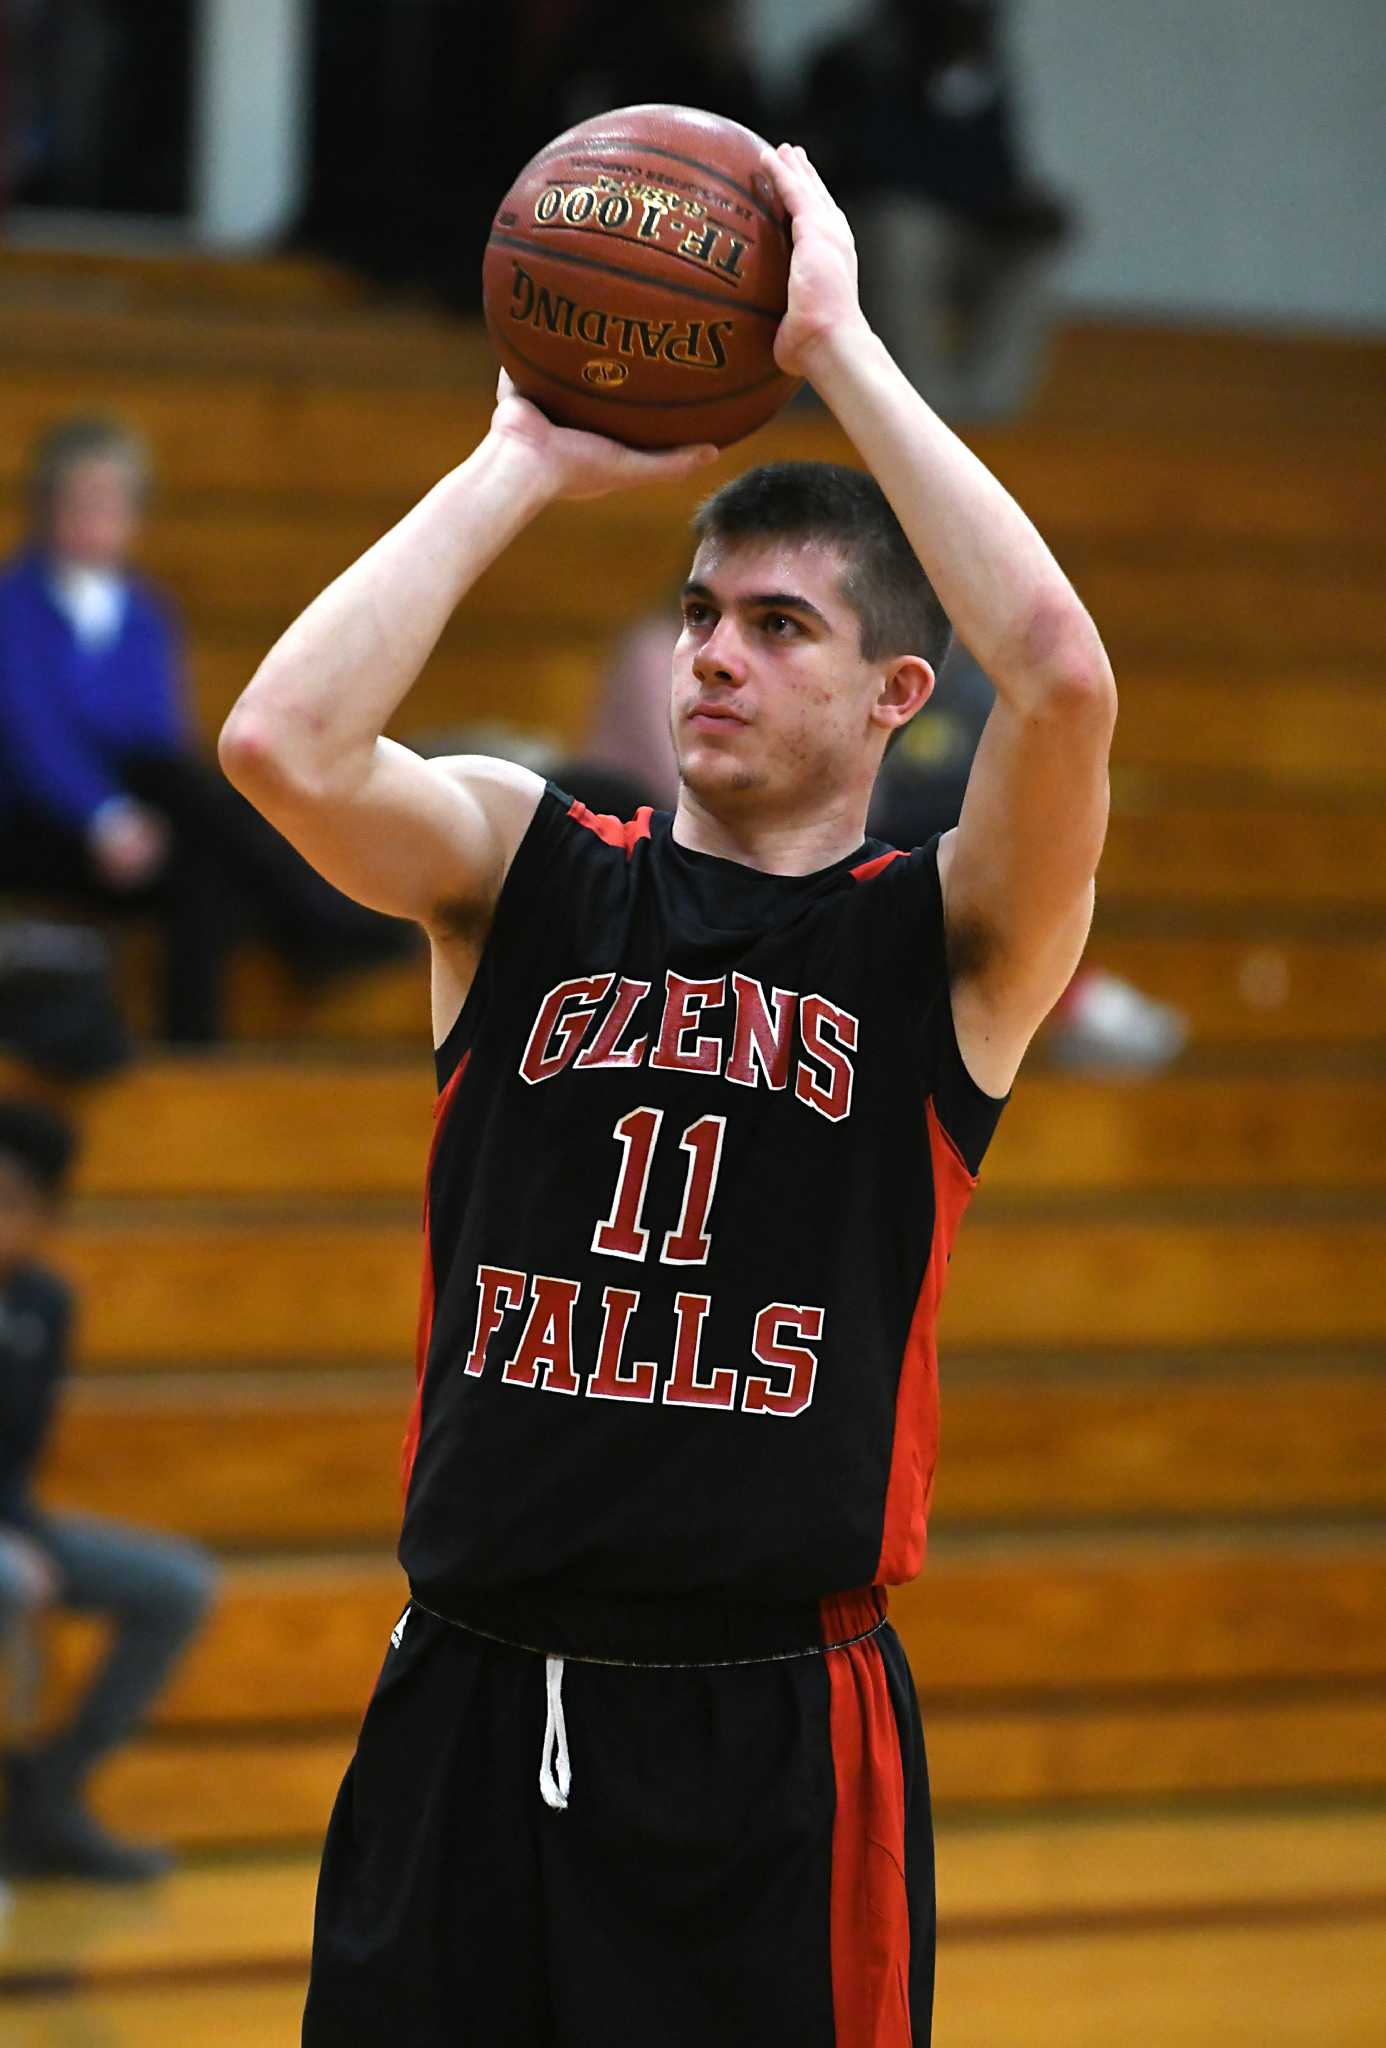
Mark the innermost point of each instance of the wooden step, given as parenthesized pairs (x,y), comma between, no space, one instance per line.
(1279,991)
(1242,855)
(1208,1985)
(1174,1131)
(1290,725)
(255,567)
(1296,1741)
(219,1126)
(205,1917)
(1250,992)
(181,277)
(988,1626)
(301,1460)
(306,437)
(268,1128)
(277,1463)
(168,1293)
(163,2014)
(1102,373)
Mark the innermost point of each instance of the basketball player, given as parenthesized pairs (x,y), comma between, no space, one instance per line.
(644,1762)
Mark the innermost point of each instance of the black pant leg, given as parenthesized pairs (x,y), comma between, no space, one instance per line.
(311,924)
(191,900)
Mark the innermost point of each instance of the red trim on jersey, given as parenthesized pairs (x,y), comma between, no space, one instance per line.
(611,829)
(424,1331)
(868,1917)
(915,1450)
(869,869)
(844,1615)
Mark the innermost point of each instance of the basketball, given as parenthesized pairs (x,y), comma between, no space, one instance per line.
(635,276)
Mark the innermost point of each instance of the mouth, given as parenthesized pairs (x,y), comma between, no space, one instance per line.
(707,717)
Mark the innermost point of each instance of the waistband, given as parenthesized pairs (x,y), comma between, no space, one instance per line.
(658,1629)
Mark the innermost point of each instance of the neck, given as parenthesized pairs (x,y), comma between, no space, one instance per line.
(788,845)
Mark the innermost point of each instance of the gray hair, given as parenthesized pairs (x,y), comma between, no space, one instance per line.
(87,437)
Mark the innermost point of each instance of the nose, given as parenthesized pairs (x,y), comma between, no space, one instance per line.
(720,658)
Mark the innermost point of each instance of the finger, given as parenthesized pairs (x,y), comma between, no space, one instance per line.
(811,171)
(784,173)
(505,386)
(672,463)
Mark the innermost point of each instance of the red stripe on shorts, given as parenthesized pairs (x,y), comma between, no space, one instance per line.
(869,1906)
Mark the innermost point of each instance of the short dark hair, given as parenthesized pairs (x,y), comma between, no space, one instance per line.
(85,437)
(897,607)
(38,1140)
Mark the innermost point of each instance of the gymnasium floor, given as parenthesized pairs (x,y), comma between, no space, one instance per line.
(1205,1931)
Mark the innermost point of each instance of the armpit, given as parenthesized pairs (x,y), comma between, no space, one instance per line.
(973,947)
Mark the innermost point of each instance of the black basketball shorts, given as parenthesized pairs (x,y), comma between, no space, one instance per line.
(530,1852)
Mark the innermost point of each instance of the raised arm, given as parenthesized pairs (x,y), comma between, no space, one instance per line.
(428,840)
(1018,870)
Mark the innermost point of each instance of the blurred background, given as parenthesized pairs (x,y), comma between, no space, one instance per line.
(1135,254)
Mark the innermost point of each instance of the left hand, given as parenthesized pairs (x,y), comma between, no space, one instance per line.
(823,269)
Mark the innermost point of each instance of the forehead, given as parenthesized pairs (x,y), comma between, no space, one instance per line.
(735,571)
(105,475)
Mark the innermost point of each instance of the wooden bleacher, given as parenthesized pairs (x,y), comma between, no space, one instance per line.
(1153,1619)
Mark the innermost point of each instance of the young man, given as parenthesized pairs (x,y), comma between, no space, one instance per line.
(153,1589)
(715,1089)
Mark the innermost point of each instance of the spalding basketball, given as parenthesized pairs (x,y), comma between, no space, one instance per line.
(636,273)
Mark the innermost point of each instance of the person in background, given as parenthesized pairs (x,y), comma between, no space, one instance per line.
(957,242)
(154,1589)
(104,800)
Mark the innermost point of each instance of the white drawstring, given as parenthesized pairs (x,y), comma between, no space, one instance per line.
(555,1783)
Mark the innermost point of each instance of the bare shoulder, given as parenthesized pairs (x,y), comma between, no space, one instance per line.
(507,792)
(506,797)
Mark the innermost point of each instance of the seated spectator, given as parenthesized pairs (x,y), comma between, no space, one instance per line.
(153,1589)
(103,799)
(914,128)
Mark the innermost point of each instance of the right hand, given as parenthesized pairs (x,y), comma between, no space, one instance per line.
(29,1567)
(128,843)
(578,465)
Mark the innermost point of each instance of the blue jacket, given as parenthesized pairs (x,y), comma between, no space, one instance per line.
(70,718)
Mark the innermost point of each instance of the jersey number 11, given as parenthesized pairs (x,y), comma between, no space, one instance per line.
(622,1234)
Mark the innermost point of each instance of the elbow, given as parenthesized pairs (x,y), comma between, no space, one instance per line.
(1083,691)
(1064,656)
(252,754)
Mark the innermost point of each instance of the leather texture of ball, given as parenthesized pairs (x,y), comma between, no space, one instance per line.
(636,274)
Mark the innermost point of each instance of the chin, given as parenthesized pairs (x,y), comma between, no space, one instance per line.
(716,781)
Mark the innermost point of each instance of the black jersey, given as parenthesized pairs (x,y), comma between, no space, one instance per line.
(703,1140)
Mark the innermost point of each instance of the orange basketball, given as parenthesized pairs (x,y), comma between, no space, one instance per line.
(635,276)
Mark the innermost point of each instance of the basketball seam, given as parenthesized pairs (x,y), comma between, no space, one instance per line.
(685,291)
(712,399)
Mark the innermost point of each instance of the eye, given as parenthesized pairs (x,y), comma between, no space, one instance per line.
(695,613)
(779,625)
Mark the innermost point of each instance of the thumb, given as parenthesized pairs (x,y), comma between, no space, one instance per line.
(668,464)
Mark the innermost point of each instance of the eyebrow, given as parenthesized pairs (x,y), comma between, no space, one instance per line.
(763,600)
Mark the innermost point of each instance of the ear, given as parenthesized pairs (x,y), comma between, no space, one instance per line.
(905,687)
